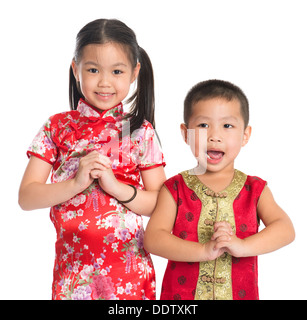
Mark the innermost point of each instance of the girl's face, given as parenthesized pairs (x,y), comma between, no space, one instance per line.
(218,133)
(105,74)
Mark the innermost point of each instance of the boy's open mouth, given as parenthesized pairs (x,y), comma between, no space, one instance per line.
(215,155)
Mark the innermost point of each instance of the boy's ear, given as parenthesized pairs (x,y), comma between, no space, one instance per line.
(184,132)
(247,134)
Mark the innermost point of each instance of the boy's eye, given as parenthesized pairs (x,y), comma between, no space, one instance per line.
(117,72)
(228,126)
(203,125)
(93,70)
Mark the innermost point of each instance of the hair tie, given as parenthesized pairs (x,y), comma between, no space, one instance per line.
(134,194)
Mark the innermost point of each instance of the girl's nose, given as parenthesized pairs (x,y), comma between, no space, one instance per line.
(104,80)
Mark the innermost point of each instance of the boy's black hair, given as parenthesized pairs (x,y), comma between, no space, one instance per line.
(215,89)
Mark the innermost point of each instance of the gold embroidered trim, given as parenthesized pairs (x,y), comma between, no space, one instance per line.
(214,280)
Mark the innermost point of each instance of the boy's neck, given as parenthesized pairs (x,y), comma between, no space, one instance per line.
(219,180)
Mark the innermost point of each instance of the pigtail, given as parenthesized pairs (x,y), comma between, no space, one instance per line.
(143,100)
(74,91)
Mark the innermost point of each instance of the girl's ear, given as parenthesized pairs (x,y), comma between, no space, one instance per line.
(136,72)
(247,134)
(184,132)
(75,69)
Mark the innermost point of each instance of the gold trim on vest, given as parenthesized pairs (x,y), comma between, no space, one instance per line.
(214,281)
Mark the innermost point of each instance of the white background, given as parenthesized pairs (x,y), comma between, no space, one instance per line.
(258,45)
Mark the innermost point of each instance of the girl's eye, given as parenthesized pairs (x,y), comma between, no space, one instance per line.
(228,126)
(93,70)
(203,125)
(117,72)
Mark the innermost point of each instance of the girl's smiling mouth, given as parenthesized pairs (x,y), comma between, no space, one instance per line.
(104,96)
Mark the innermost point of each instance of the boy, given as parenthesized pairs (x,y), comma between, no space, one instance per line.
(206,219)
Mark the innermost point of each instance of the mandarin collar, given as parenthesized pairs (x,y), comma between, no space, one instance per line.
(89,111)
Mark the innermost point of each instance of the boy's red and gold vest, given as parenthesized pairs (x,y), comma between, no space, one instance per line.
(198,208)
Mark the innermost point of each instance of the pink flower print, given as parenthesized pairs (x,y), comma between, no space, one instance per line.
(131,221)
(102,287)
(110,238)
(122,234)
(93,198)
(83,225)
(115,221)
(81,145)
(128,288)
(131,261)
(70,215)
(80,213)
(76,267)
(76,239)
(82,293)
(114,246)
(70,250)
(140,238)
(70,169)
(78,200)
(87,270)
(47,143)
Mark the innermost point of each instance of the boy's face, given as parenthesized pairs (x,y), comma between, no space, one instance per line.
(216,133)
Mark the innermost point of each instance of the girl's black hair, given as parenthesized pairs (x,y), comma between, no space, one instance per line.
(111,30)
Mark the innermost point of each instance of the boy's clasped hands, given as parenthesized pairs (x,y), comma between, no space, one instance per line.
(223,240)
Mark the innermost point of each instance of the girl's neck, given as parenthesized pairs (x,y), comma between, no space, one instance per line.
(100,111)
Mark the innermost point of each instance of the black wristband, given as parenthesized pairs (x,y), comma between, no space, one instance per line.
(134,195)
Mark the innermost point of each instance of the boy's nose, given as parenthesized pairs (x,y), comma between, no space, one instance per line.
(214,135)
(215,139)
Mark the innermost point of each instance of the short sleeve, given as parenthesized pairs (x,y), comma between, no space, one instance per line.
(149,153)
(43,146)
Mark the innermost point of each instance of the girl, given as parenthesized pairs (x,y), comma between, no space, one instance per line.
(206,220)
(96,195)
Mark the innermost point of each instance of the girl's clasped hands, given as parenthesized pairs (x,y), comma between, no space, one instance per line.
(95,166)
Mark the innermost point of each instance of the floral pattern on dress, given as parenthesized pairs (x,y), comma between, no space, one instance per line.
(99,247)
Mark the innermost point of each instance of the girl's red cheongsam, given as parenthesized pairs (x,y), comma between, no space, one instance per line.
(99,246)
